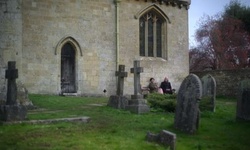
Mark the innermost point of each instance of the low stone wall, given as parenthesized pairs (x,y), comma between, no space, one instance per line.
(227,80)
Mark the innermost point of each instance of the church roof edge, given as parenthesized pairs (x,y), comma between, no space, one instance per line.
(179,3)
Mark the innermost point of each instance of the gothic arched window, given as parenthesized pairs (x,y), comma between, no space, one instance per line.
(152,34)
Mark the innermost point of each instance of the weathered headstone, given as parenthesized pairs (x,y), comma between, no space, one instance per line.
(165,138)
(11,74)
(209,91)
(137,104)
(11,111)
(187,108)
(121,74)
(22,92)
(119,101)
(243,101)
(23,96)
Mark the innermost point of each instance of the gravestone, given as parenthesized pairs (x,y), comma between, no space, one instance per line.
(137,104)
(119,101)
(166,138)
(187,108)
(23,96)
(12,111)
(22,92)
(209,91)
(243,101)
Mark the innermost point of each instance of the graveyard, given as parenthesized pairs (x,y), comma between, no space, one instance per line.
(111,128)
(198,119)
(72,77)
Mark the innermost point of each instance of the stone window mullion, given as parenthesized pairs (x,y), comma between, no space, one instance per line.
(155,36)
(152,35)
(146,37)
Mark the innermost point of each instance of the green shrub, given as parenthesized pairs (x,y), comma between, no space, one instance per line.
(206,104)
(162,102)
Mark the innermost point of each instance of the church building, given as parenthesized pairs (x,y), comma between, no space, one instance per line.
(76,46)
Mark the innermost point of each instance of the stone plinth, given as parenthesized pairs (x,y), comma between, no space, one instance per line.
(118,102)
(13,112)
(138,106)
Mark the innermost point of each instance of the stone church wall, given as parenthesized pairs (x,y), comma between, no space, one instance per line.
(90,23)
(31,32)
(10,31)
(176,64)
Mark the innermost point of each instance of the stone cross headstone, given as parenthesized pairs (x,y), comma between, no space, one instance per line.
(121,74)
(12,111)
(137,104)
(209,91)
(187,108)
(243,101)
(119,101)
(11,74)
(136,71)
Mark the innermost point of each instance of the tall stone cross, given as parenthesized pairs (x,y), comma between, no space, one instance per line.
(136,70)
(11,74)
(121,75)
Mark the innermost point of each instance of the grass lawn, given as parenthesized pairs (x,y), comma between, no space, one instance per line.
(112,129)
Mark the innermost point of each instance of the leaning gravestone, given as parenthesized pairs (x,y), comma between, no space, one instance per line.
(243,101)
(137,104)
(187,108)
(119,101)
(209,91)
(12,111)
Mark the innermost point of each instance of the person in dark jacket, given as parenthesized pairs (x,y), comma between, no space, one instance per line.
(166,86)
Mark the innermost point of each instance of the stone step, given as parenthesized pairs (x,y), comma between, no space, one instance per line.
(69,94)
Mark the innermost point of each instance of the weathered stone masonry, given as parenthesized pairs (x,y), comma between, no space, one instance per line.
(33,33)
(227,81)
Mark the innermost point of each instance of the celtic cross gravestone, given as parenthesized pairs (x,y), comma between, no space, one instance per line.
(11,74)
(119,101)
(137,104)
(12,111)
(121,74)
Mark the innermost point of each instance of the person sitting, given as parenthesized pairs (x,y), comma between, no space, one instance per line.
(153,87)
(166,86)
